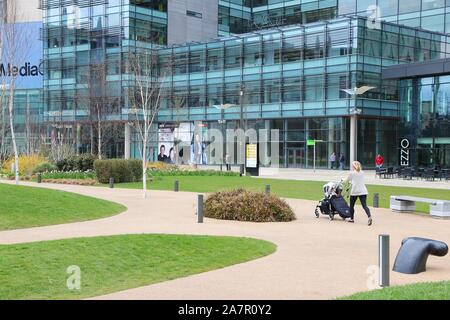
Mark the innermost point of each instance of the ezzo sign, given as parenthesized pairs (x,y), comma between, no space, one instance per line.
(404,152)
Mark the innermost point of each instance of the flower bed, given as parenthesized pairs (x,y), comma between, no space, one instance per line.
(79,182)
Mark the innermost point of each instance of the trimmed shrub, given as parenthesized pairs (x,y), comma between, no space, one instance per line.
(103,170)
(243,205)
(44,167)
(136,167)
(119,169)
(84,162)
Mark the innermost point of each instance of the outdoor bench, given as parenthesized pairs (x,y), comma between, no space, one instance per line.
(438,208)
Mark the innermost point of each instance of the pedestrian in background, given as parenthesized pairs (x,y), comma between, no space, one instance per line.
(379,161)
(342,162)
(333,160)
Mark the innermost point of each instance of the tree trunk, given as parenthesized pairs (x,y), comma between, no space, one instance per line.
(144,170)
(13,133)
(28,130)
(99,142)
(92,139)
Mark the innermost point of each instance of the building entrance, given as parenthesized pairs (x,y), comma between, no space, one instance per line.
(296,158)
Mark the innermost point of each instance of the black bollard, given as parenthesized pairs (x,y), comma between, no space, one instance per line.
(39,178)
(376,200)
(111,183)
(268,189)
(383,260)
(176,186)
(242,170)
(200,209)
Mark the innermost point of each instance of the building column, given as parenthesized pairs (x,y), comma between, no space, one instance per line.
(331,140)
(127,141)
(306,145)
(78,138)
(353,138)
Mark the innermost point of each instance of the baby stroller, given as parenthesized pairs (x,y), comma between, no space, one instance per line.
(333,203)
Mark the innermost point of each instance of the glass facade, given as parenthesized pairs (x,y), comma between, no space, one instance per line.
(299,73)
(425,119)
(280,64)
(240,16)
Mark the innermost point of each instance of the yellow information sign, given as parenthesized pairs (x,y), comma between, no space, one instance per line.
(252,156)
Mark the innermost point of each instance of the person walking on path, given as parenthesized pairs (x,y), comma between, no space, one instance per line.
(333,160)
(359,190)
(379,161)
(342,162)
(228,162)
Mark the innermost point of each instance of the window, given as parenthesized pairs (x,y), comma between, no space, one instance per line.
(194,14)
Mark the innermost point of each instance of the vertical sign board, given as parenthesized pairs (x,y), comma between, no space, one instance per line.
(251,159)
(405,145)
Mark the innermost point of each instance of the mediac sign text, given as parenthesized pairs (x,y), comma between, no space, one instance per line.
(26,70)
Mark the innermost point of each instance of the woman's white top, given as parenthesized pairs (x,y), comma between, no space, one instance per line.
(358,184)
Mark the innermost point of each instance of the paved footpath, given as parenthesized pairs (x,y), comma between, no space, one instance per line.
(336,175)
(316,258)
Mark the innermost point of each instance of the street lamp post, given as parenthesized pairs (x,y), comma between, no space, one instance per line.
(354,112)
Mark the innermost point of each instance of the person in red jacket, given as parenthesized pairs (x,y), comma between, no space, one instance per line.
(379,160)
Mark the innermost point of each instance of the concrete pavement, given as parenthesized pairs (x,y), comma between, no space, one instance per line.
(316,258)
(336,175)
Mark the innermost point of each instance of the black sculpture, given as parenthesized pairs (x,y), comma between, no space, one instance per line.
(413,254)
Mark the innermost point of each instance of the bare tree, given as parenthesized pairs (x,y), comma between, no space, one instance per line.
(95,96)
(14,47)
(145,101)
(4,126)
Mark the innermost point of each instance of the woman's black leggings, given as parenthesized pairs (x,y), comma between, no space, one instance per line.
(363,200)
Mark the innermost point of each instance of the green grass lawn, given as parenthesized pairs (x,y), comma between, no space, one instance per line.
(25,207)
(309,190)
(111,264)
(421,291)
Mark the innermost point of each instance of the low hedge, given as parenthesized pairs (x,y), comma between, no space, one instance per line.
(119,169)
(70,175)
(190,173)
(244,205)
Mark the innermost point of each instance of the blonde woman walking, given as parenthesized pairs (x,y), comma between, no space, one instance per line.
(359,190)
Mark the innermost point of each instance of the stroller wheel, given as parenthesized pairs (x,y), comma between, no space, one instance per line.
(331,217)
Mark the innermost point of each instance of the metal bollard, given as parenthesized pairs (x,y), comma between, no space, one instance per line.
(242,173)
(111,183)
(383,260)
(200,209)
(176,186)
(376,200)
(268,189)
(39,178)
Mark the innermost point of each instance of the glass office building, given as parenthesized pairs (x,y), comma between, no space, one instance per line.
(241,16)
(278,64)
(425,119)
